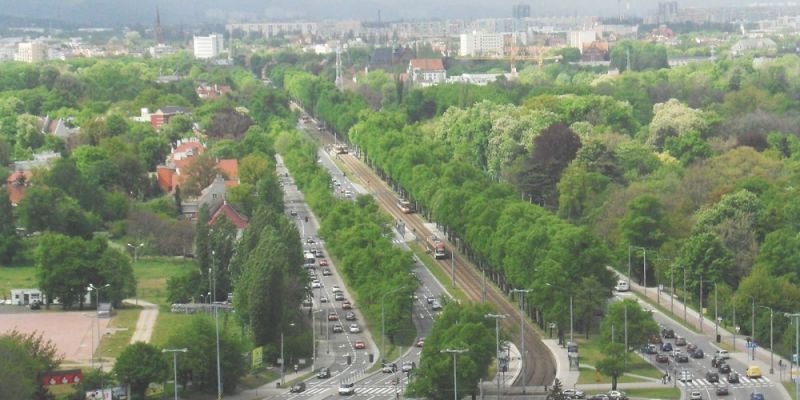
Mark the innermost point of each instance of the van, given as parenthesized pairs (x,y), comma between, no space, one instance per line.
(622,286)
(753,372)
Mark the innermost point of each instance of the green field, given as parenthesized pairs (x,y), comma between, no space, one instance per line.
(16,277)
(152,274)
(123,323)
(591,353)
(650,393)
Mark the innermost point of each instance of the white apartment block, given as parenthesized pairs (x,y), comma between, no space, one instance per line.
(577,39)
(270,29)
(206,47)
(481,44)
(31,52)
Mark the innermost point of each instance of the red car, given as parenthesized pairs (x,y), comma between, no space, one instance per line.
(332,316)
(359,345)
(347,306)
(323,263)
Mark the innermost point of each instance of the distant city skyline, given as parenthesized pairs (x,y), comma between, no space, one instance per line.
(121,12)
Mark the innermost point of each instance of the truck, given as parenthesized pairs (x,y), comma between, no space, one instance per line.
(436,247)
(405,206)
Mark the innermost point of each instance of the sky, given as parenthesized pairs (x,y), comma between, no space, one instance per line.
(115,12)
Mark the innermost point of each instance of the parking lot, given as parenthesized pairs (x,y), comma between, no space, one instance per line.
(72,332)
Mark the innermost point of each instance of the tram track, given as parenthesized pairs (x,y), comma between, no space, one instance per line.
(541,366)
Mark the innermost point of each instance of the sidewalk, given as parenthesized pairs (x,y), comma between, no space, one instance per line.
(146,321)
(506,378)
(706,328)
(568,377)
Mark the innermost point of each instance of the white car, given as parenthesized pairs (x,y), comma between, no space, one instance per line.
(348,193)
(723,354)
(354,328)
(346,389)
(336,289)
(696,396)
(408,366)
(316,284)
(622,286)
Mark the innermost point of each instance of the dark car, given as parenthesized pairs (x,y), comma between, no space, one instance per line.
(666,347)
(682,358)
(722,390)
(733,377)
(655,339)
(668,334)
(712,377)
(691,348)
(599,397)
(724,368)
(36,305)
(698,353)
(324,373)
(298,387)
(662,358)
(650,349)
(756,396)
(680,341)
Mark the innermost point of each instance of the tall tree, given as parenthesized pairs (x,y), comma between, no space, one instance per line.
(9,242)
(613,365)
(553,150)
(139,365)
(200,173)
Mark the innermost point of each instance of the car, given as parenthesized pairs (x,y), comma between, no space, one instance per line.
(695,395)
(408,366)
(685,376)
(722,354)
(675,353)
(332,316)
(323,299)
(430,299)
(354,328)
(622,286)
(733,377)
(668,333)
(338,296)
(724,368)
(348,193)
(389,368)
(350,316)
(753,371)
(650,349)
(666,347)
(310,240)
(599,397)
(347,388)
(338,328)
(682,358)
(347,306)
(662,358)
(420,342)
(656,339)
(323,263)
(712,377)
(359,345)
(715,361)
(327,272)
(436,306)
(756,396)
(680,341)
(617,395)
(698,353)
(691,348)
(323,373)
(336,289)
(574,394)
(35,305)
(298,387)
(293,213)
(316,284)
(722,390)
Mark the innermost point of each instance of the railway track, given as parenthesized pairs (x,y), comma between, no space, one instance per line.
(540,365)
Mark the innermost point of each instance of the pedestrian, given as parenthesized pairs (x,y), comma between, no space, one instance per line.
(669,378)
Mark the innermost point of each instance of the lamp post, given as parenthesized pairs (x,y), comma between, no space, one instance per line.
(97,317)
(522,332)
(644,266)
(136,251)
(283,359)
(213,278)
(454,352)
(383,321)
(771,348)
(702,314)
(571,322)
(497,318)
(175,365)
(796,317)
(753,324)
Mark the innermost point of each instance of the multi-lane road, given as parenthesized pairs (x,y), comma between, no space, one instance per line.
(698,367)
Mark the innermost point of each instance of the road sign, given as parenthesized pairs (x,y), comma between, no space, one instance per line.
(751,345)
(794,358)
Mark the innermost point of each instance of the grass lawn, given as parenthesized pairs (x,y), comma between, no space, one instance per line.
(152,274)
(16,278)
(651,393)
(591,353)
(123,323)
(438,273)
(259,378)
(791,389)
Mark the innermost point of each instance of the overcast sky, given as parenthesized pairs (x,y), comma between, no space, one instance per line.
(108,12)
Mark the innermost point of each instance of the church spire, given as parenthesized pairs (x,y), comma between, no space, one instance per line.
(158,32)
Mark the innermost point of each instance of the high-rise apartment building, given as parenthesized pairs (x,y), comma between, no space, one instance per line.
(31,52)
(210,46)
(520,11)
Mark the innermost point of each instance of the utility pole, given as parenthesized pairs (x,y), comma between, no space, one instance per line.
(522,333)
(339,81)
(626,335)
(796,317)
(771,347)
(175,366)
(455,352)
(497,318)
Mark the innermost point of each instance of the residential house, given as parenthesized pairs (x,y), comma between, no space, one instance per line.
(40,160)
(17,184)
(57,128)
(424,72)
(227,211)
(212,196)
(172,173)
(161,116)
(762,45)
(213,91)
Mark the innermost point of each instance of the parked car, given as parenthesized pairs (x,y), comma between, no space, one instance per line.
(617,395)
(346,389)
(599,397)
(733,377)
(350,316)
(712,377)
(680,341)
(574,394)
(323,373)
(722,390)
(698,353)
(650,349)
(298,387)
(338,328)
(753,371)
(662,358)
(359,345)
(35,305)
(354,328)
(695,395)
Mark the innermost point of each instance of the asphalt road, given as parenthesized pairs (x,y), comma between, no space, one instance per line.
(332,348)
(699,367)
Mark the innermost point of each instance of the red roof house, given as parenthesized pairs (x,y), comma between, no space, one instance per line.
(17,183)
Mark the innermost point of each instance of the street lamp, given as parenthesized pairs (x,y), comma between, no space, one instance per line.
(454,352)
(497,318)
(644,266)
(571,324)
(796,317)
(383,322)
(136,251)
(97,317)
(283,360)
(702,314)
(213,269)
(771,348)
(522,332)
(175,365)
(753,324)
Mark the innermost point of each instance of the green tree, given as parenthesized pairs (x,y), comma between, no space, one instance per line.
(688,148)
(640,324)
(556,392)
(41,355)
(9,241)
(139,365)
(49,209)
(19,379)
(613,364)
(644,222)
(553,150)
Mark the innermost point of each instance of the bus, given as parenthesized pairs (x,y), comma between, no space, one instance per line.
(405,206)
(310,260)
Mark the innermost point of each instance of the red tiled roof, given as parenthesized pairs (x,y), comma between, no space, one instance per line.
(229,167)
(16,192)
(188,145)
(238,221)
(427,64)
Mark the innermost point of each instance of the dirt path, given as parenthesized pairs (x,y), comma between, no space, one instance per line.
(146,322)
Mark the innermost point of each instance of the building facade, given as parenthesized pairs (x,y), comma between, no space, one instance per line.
(481,44)
(206,47)
(31,52)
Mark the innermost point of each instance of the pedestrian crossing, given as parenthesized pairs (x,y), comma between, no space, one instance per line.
(366,390)
(743,382)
